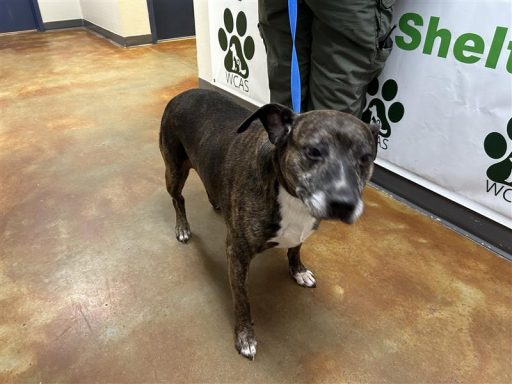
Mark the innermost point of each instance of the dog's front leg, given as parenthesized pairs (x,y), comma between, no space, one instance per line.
(303,276)
(239,258)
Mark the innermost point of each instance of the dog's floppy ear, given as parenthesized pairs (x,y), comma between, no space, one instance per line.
(375,129)
(276,118)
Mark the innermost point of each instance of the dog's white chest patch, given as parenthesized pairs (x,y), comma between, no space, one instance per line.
(296,221)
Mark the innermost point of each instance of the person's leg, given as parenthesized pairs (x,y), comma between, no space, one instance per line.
(275,29)
(346,54)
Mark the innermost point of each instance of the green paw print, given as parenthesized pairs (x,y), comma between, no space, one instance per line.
(376,110)
(496,147)
(236,56)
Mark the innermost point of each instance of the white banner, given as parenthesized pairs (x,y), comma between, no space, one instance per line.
(444,102)
(239,61)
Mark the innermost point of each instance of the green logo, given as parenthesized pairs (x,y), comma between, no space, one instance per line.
(237,54)
(377,111)
(496,147)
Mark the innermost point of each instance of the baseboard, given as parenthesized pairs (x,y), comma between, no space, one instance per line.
(62,24)
(131,41)
(478,228)
(119,40)
(128,41)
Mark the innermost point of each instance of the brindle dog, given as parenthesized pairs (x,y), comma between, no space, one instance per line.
(273,183)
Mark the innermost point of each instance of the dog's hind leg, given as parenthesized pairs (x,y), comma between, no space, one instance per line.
(175,180)
(303,276)
(177,167)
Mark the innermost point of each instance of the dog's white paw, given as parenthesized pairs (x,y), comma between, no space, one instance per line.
(249,350)
(246,345)
(305,279)
(183,234)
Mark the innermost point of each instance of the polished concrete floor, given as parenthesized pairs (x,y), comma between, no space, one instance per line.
(94,288)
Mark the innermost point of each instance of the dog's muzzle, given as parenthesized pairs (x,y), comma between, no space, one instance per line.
(346,207)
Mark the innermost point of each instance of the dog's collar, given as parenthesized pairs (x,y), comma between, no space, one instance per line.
(281,180)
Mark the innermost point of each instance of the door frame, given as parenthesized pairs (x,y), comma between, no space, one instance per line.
(152,21)
(36,12)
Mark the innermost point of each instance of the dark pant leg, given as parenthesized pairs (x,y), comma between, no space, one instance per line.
(275,29)
(345,54)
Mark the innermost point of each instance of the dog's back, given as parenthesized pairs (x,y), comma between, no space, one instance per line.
(198,127)
(203,121)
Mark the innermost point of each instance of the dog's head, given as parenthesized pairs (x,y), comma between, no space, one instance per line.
(324,158)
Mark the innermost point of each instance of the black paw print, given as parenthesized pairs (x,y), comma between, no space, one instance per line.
(496,147)
(376,110)
(236,56)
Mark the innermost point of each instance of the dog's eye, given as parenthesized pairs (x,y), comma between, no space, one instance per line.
(365,159)
(314,153)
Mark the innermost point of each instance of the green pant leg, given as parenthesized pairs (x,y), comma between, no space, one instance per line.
(275,29)
(345,53)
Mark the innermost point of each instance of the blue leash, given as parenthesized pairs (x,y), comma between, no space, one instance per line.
(295,72)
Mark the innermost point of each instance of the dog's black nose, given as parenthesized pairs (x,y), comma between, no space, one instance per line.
(343,207)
